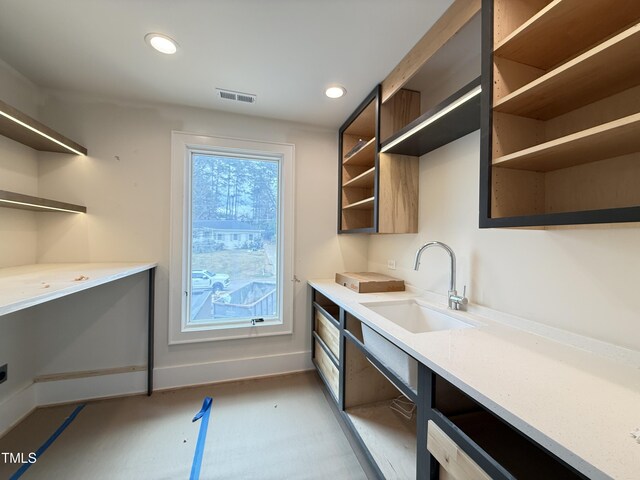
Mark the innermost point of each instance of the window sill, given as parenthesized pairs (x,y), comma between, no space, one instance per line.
(208,335)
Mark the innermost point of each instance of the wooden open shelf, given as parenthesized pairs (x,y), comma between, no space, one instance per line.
(366,204)
(364,125)
(565,28)
(620,137)
(22,128)
(389,437)
(438,67)
(364,180)
(358,173)
(422,115)
(608,68)
(560,142)
(454,118)
(27,202)
(365,156)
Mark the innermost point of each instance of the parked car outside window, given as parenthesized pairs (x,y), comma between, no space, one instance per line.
(206,280)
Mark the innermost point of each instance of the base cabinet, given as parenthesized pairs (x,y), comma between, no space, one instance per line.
(434,431)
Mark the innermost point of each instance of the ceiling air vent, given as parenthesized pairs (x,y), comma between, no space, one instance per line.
(236,96)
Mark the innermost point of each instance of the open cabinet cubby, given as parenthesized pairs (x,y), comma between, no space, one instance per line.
(458,419)
(389,437)
(561,136)
(359,170)
(378,192)
(441,101)
(431,98)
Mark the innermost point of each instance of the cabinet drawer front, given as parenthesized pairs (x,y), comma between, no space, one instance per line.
(328,369)
(457,464)
(329,333)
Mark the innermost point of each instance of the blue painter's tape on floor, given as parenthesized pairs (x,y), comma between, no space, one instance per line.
(202,436)
(49,441)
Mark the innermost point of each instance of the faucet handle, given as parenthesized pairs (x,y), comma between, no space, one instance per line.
(457,302)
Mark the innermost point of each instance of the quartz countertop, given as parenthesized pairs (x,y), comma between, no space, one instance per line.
(580,405)
(28,285)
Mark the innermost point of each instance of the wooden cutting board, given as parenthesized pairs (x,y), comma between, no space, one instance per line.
(369,282)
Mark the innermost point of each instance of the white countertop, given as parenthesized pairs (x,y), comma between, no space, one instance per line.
(29,285)
(579,405)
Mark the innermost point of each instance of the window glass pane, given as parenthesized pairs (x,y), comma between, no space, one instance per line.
(234,240)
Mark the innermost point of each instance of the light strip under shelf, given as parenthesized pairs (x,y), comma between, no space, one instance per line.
(452,106)
(33,129)
(39,207)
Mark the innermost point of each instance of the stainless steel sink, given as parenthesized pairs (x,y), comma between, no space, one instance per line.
(415,317)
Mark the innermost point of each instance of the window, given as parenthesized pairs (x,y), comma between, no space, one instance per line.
(239,284)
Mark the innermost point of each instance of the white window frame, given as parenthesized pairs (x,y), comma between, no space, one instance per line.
(182,146)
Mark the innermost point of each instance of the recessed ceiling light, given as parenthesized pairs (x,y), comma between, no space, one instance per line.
(335,91)
(161,43)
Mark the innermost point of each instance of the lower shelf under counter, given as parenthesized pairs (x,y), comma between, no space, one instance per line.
(389,437)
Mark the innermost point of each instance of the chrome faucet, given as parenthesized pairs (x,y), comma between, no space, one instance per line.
(456,302)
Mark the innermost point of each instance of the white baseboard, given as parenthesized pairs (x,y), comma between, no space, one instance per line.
(90,388)
(16,407)
(93,387)
(213,372)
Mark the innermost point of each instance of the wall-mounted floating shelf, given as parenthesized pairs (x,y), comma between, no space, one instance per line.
(27,202)
(22,128)
(454,118)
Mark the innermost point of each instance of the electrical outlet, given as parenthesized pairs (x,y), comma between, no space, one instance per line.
(391,264)
(3,372)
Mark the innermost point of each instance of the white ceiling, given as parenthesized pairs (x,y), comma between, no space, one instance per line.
(285,51)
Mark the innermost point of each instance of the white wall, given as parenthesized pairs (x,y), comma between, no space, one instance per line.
(18,173)
(124,182)
(18,232)
(582,279)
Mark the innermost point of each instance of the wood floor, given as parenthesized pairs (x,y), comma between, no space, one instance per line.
(274,428)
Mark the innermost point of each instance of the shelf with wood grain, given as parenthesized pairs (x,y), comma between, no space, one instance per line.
(28,202)
(390,438)
(565,28)
(560,140)
(364,180)
(364,156)
(377,193)
(366,204)
(613,139)
(607,69)
(20,127)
